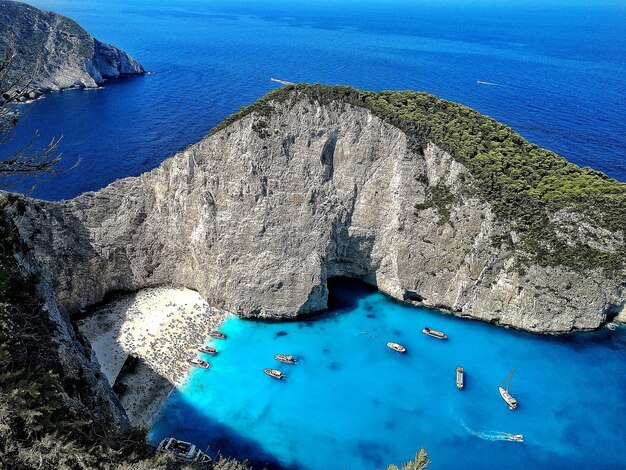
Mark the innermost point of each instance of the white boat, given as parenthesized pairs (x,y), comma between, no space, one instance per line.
(286,358)
(199,363)
(275,373)
(207,349)
(434,333)
(517,438)
(217,334)
(182,451)
(396,347)
(460,378)
(504,391)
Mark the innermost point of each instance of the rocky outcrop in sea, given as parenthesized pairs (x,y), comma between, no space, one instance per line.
(259,215)
(53,52)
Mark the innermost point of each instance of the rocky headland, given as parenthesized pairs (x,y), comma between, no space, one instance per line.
(429,201)
(52,52)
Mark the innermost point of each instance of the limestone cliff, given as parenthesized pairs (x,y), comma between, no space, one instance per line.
(257,216)
(58,51)
(77,366)
(41,350)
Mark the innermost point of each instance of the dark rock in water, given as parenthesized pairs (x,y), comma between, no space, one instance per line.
(282,333)
(54,52)
(391,425)
(371,451)
(371,315)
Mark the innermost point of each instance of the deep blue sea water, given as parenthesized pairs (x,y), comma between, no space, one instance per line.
(352,403)
(559,67)
(558,71)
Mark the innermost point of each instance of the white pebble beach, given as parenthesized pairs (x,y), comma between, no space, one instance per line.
(163,326)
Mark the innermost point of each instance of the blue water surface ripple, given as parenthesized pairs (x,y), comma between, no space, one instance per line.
(353,403)
(555,72)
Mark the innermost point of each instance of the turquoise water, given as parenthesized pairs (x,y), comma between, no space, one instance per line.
(352,403)
(558,67)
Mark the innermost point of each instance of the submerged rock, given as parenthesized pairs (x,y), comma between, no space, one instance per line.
(299,188)
(53,52)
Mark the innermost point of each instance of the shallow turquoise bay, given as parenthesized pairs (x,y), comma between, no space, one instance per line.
(352,403)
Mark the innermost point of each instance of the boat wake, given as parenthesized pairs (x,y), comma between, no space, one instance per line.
(494,435)
(480,82)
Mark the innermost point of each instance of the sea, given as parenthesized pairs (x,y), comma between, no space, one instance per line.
(553,70)
(350,402)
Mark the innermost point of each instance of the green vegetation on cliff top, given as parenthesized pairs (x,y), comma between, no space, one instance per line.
(526,185)
(26,23)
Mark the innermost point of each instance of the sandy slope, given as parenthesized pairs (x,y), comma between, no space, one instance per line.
(162,326)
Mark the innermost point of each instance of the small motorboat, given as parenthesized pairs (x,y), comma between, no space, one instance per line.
(286,358)
(504,391)
(396,347)
(517,438)
(199,363)
(460,378)
(207,349)
(275,373)
(434,333)
(217,334)
(182,451)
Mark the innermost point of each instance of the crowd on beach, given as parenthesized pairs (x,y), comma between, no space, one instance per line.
(162,327)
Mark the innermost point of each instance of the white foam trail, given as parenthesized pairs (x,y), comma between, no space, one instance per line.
(480,82)
(490,435)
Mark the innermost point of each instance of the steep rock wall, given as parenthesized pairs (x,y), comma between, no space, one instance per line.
(53,52)
(82,387)
(257,216)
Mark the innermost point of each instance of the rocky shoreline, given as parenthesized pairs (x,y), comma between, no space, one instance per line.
(258,216)
(54,53)
(232,218)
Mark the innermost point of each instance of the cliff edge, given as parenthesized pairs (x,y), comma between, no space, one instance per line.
(428,200)
(53,52)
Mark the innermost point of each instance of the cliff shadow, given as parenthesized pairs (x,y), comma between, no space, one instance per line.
(344,292)
(349,259)
(151,401)
(182,419)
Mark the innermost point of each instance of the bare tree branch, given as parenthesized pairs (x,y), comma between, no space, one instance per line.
(15,86)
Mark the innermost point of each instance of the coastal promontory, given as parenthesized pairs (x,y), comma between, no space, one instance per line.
(51,52)
(428,200)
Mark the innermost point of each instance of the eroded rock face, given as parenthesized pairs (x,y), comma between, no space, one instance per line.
(78,365)
(58,51)
(258,216)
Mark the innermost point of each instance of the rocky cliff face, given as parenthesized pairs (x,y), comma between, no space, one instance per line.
(258,216)
(57,51)
(78,364)
(41,346)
